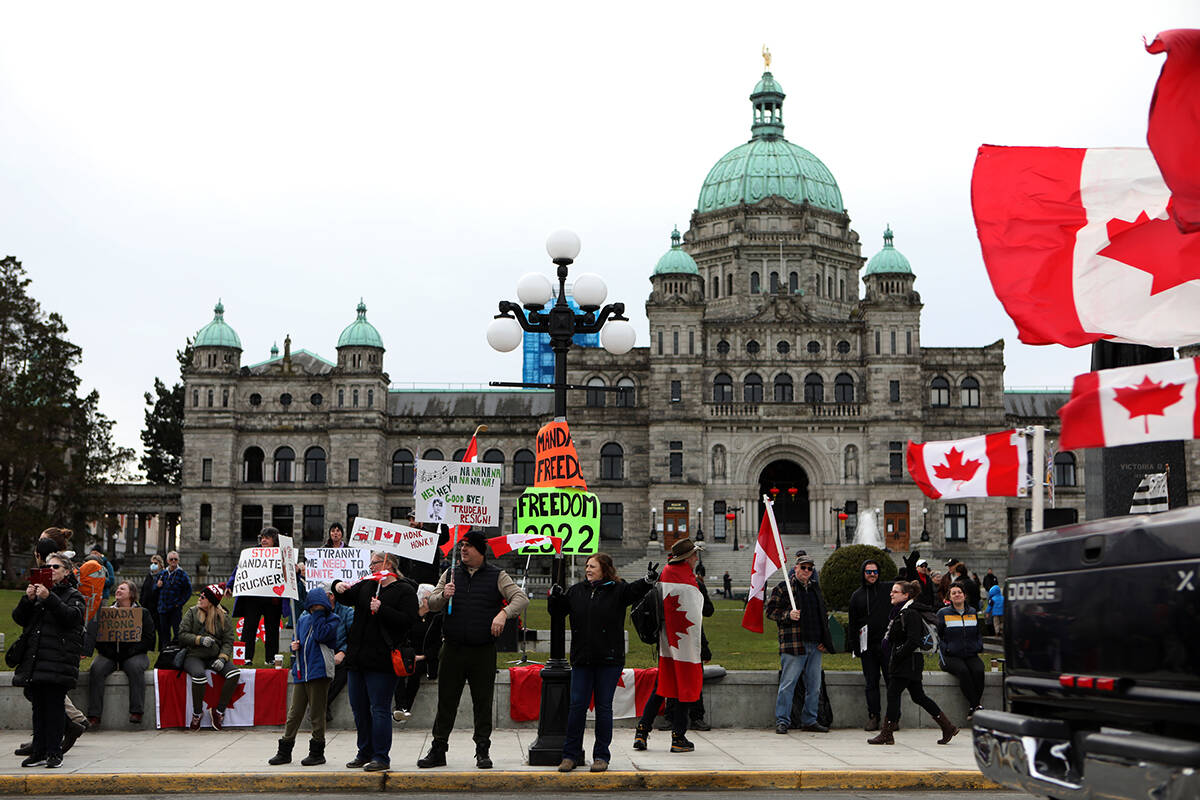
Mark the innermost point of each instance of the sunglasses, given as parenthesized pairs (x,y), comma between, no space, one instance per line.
(805,567)
(57,566)
(870,572)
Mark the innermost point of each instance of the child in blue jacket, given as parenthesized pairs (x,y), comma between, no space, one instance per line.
(312,672)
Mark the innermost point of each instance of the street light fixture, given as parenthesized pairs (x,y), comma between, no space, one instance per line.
(924,529)
(840,516)
(654,524)
(731,515)
(561,322)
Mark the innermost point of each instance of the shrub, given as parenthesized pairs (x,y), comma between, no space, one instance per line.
(842,573)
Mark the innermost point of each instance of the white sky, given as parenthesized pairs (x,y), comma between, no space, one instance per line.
(290,157)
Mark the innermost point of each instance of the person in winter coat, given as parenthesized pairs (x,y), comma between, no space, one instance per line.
(337,536)
(995,608)
(869,608)
(174,589)
(51,619)
(207,633)
(960,641)
(425,638)
(253,609)
(312,672)
(906,663)
(132,658)
(596,606)
(148,596)
(385,608)
(803,636)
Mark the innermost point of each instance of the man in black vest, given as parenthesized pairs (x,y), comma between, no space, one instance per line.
(480,593)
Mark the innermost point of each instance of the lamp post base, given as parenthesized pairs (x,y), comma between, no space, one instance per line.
(546,751)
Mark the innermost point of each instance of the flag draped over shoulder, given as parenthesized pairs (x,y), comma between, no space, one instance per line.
(1173,132)
(993,465)
(1130,405)
(260,698)
(767,559)
(680,671)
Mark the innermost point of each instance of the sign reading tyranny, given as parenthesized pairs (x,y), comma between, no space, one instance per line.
(267,571)
(329,564)
(557,461)
(458,493)
(572,514)
(119,624)
(389,537)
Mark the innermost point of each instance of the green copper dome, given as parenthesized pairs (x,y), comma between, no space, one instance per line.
(675,261)
(889,260)
(769,164)
(360,333)
(217,333)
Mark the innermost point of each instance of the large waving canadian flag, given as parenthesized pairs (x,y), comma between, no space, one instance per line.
(1082,245)
(1129,405)
(260,698)
(767,559)
(680,671)
(993,465)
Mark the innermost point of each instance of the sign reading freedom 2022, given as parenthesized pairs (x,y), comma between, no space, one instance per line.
(572,514)
(458,492)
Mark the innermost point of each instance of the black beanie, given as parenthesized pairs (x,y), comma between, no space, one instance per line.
(476,540)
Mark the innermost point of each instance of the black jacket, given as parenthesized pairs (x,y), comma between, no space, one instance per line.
(598,619)
(372,636)
(148,596)
(425,637)
(56,627)
(904,635)
(119,651)
(870,605)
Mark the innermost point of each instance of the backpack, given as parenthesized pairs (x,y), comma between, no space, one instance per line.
(929,637)
(824,708)
(646,616)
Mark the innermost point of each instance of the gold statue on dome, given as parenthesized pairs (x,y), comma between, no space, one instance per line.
(766,58)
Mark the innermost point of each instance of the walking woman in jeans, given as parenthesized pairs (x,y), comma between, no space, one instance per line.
(906,663)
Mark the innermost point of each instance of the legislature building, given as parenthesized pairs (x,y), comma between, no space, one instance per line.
(781,360)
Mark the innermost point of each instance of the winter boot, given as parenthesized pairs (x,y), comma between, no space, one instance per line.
(316,753)
(872,723)
(948,729)
(284,756)
(885,735)
(681,744)
(436,757)
(640,736)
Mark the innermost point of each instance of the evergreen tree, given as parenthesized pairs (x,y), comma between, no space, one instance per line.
(162,438)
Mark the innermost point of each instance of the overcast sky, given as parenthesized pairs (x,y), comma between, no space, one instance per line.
(292,157)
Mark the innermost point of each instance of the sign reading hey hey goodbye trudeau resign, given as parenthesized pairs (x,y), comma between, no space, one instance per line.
(458,492)
(571,514)
(389,537)
(267,571)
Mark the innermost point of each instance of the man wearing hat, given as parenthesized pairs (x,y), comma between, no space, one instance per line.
(803,637)
(484,599)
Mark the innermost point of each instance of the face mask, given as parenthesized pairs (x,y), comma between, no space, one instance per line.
(154,567)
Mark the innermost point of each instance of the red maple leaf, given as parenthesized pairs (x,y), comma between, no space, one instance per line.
(1155,246)
(212,695)
(675,620)
(955,469)
(1149,398)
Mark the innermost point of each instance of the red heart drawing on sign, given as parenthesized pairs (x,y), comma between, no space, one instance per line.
(277,590)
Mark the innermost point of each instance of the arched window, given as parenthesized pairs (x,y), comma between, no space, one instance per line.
(843,388)
(523,463)
(783,388)
(402,467)
(252,465)
(723,348)
(459,454)
(612,462)
(794,283)
(285,457)
(314,465)
(774,283)
(850,471)
(595,399)
(939,392)
(493,456)
(722,388)
(433,454)
(969,393)
(628,397)
(814,388)
(1064,469)
(752,388)
(754,287)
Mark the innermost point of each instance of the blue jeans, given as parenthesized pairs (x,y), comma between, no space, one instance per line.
(586,681)
(371,701)
(806,667)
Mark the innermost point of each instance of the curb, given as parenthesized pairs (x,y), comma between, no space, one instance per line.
(499,781)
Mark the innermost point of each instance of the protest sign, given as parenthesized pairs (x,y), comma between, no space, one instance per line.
(288,556)
(571,514)
(266,571)
(458,493)
(329,564)
(557,461)
(119,624)
(391,537)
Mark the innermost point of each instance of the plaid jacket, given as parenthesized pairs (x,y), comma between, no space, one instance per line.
(175,591)
(791,632)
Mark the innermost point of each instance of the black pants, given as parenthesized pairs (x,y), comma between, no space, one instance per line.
(336,686)
(873,667)
(695,711)
(49,722)
(969,672)
(466,664)
(269,614)
(168,625)
(406,690)
(896,686)
(677,713)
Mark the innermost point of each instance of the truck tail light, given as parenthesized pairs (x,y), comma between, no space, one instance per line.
(1067,681)
(1106,684)
(1085,682)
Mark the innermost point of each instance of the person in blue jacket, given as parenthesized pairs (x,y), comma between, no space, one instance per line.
(345,616)
(995,608)
(960,641)
(312,672)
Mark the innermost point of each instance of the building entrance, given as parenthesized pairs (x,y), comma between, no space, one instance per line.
(786,482)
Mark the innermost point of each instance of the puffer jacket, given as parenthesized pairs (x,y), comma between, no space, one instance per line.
(372,636)
(959,635)
(192,629)
(597,614)
(55,628)
(317,633)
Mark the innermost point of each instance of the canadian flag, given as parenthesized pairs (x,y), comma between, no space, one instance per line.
(260,698)
(767,559)
(1173,132)
(1129,405)
(993,465)
(515,541)
(1082,245)
(680,671)
(458,531)
(634,688)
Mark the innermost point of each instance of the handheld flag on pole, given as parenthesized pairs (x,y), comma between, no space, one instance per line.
(768,557)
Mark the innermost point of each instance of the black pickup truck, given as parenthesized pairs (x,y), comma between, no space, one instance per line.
(1102,645)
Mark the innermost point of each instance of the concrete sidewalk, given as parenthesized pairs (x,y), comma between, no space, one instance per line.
(116,762)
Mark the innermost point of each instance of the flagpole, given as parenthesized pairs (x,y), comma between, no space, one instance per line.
(787,577)
(1039,477)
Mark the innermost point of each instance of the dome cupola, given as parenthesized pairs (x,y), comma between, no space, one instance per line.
(675,261)
(889,260)
(217,333)
(360,333)
(360,348)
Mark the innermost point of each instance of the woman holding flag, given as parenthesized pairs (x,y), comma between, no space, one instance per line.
(596,606)
(385,607)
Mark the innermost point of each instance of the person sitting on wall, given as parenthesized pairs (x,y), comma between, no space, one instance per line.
(132,658)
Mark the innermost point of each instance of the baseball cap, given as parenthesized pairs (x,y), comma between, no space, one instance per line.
(923,563)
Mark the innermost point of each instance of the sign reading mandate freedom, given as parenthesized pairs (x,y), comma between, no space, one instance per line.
(571,514)
(458,493)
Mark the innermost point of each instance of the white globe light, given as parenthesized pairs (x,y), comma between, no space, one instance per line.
(618,336)
(534,289)
(589,290)
(504,334)
(563,245)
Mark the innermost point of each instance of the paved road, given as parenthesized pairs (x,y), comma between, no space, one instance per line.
(755,795)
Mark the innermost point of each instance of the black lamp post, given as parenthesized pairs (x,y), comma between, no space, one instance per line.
(838,515)
(534,291)
(654,524)
(924,529)
(734,519)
